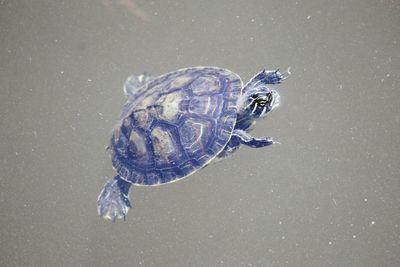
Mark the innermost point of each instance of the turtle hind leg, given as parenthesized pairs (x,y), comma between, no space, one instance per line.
(113,202)
(135,82)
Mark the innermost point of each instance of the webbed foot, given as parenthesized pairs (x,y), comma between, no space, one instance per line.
(113,202)
(134,82)
(248,140)
(271,77)
(260,142)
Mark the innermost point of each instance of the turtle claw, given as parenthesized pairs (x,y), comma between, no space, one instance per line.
(285,74)
(275,142)
(271,141)
(113,202)
(271,77)
(276,77)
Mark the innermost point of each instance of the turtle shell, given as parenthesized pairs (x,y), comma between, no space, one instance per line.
(175,125)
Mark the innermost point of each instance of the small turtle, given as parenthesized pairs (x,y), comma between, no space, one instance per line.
(175,124)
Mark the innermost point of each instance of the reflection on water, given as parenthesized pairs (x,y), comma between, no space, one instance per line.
(130,6)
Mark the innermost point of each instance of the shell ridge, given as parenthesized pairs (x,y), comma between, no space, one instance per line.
(177,137)
(204,98)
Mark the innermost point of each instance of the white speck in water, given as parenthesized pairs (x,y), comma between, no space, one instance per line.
(283,237)
(354,236)
(334,201)
(62,72)
(280,222)
(210,236)
(310,127)
(373,222)
(252,20)
(252,39)
(233,211)
(330,242)
(309,17)
(89,80)
(365,200)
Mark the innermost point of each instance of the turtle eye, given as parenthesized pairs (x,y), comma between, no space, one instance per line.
(262,102)
(254,96)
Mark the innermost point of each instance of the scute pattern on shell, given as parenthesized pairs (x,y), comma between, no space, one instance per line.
(175,125)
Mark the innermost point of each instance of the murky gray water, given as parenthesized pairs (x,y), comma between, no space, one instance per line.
(327,196)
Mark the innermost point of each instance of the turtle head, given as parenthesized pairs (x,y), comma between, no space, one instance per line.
(260,100)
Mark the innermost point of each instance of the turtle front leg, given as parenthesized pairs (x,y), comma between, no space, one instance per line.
(113,202)
(266,77)
(248,140)
(230,148)
(270,77)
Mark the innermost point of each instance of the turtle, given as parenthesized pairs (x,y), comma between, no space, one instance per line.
(175,124)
